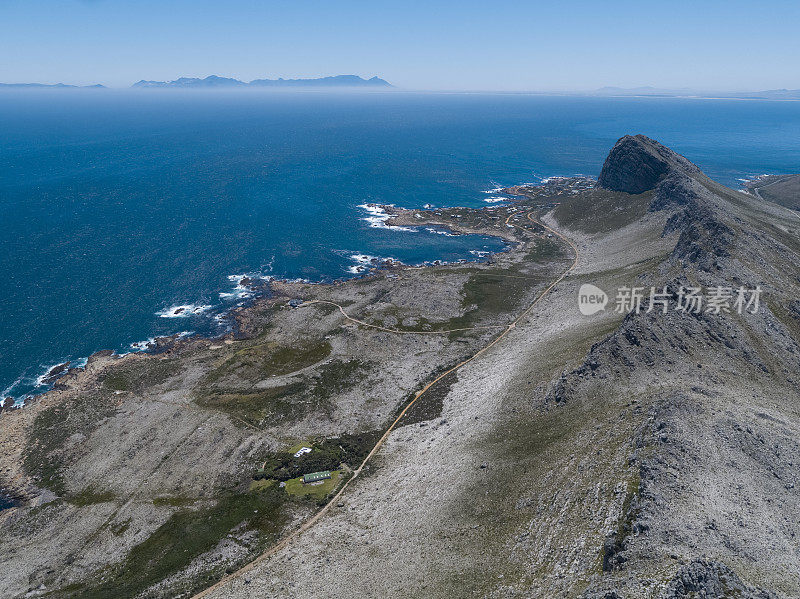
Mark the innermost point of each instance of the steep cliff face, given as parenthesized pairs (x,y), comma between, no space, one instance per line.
(637,164)
(715,454)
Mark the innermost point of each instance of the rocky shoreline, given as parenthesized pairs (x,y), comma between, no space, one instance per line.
(259,290)
(291,369)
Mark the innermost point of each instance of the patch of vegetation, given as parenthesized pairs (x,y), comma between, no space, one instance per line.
(489,294)
(601,211)
(338,376)
(502,291)
(119,529)
(617,541)
(350,449)
(286,403)
(295,486)
(186,535)
(430,405)
(258,485)
(544,249)
(420,323)
(789,318)
(116,381)
(139,374)
(256,361)
(283,403)
(43,456)
(328,309)
(90,497)
(781,189)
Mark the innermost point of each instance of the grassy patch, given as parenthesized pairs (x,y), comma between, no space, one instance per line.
(497,292)
(787,317)
(89,496)
(338,376)
(618,541)
(279,404)
(186,535)
(488,293)
(173,501)
(256,361)
(44,454)
(543,250)
(116,381)
(601,211)
(260,485)
(139,374)
(781,189)
(120,528)
(286,403)
(319,492)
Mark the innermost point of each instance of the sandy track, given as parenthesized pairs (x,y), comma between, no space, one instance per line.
(335,500)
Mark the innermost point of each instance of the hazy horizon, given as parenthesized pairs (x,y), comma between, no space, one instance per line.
(439,46)
(628,90)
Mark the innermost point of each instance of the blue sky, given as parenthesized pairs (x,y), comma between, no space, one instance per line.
(435,44)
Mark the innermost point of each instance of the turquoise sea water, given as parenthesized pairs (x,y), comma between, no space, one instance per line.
(118,206)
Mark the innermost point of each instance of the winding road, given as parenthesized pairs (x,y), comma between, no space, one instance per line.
(506,330)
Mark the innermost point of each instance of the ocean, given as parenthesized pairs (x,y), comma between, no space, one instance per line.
(127,215)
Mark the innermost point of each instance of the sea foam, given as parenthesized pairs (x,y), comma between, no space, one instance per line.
(378,216)
(183,311)
(365,263)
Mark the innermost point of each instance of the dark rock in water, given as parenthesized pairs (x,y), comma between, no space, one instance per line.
(637,164)
(55,372)
(705,578)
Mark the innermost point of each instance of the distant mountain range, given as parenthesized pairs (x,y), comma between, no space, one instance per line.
(52,86)
(685,92)
(213,81)
(354,81)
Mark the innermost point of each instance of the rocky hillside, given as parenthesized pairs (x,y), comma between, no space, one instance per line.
(648,450)
(620,455)
(716,448)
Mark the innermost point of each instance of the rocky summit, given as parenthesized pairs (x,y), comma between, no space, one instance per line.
(637,164)
(472,431)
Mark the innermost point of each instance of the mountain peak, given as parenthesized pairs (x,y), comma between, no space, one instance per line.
(637,164)
(217,81)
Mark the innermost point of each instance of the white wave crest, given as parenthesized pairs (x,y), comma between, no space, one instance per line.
(378,216)
(365,263)
(183,311)
(440,232)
